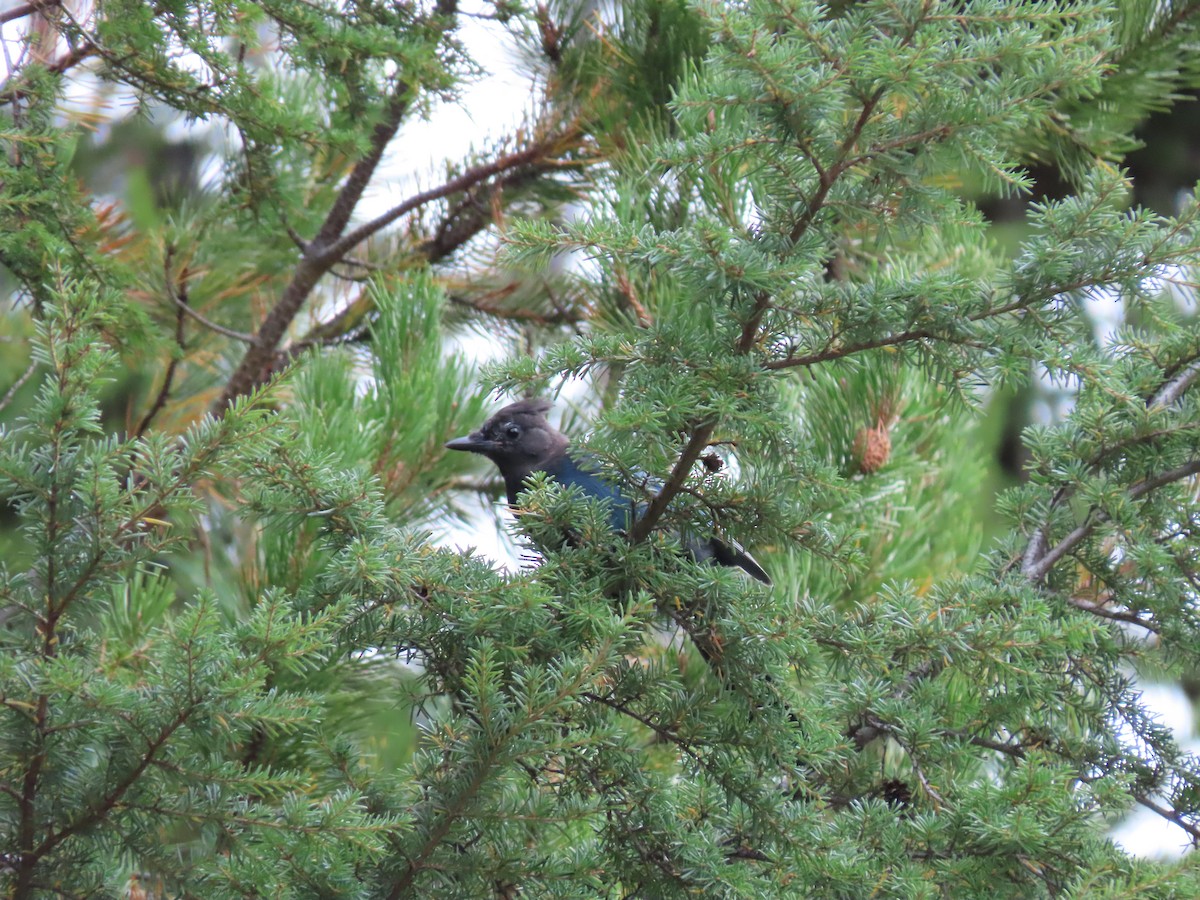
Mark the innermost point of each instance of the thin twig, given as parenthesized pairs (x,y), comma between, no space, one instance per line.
(930,791)
(1035,571)
(58,67)
(462,221)
(560,316)
(1099,609)
(300,242)
(1037,548)
(1170,815)
(18,384)
(460,183)
(213,326)
(1015,751)
(179,294)
(664,733)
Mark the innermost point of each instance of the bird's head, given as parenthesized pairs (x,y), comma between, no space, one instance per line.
(518,438)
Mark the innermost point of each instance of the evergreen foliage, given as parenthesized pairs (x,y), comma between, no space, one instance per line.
(238,658)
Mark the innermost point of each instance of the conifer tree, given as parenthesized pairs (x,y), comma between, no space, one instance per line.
(740,243)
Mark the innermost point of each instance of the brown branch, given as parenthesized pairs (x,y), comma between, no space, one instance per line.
(1037,545)
(18,384)
(471,178)
(664,733)
(1175,388)
(1036,566)
(924,333)
(696,445)
(468,217)
(930,791)
(30,855)
(749,334)
(831,353)
(483,305)
(1170,815)
(827,177)
(327,249)
(465,219)
(627,292)
(450,812)
(19,12)
(179,295)
(27,826)
(113,797)
(47,629)
(240,336)
(58,67)
(1171,390)
(315,261)
(1127,617)
(1015,751)
(360,176)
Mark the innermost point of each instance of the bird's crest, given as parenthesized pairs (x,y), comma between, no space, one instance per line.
(534,407)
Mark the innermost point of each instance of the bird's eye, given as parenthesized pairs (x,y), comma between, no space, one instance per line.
(512,431)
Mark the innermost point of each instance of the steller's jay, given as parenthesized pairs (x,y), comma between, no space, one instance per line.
(520,441)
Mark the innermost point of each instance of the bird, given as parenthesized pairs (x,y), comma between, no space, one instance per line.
(521,442)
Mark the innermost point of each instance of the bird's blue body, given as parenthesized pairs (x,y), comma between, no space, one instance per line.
(567,472)
(521,443)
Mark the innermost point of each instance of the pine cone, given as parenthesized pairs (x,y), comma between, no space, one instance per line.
(872,447)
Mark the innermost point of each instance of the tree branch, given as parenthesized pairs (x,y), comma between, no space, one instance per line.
(179,295)
(1038,564)
(316,259)
(18,384)
(360,176)
(696,445)
(327,249)
(59,66)
(664,733)
(1170,815)
(1171,390)
(749,334)
(464,219)
(1175,388)
(460,183)
(113,797)
(1099,609)
(25,9)
(519,314)
(184,308)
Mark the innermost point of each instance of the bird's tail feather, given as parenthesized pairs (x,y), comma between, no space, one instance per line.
(732,553)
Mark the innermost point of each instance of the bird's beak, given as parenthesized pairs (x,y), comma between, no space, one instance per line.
(472,443)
